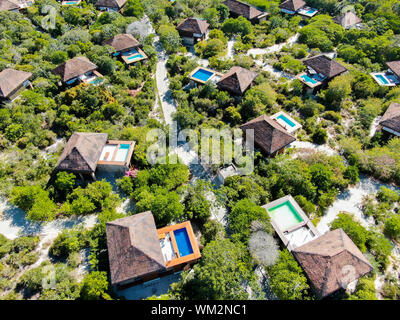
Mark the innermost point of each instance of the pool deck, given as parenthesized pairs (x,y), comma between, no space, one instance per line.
(118,163)
(170,230)
(287,127)
(391,78)
(308,84)
(297,235)
(126,57)
(215,74)
(68,3)
(304,12)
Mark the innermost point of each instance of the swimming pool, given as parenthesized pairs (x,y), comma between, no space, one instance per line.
(381,79)
(136,56)
(202,75)
(285,216)
(283,118)
(308,79)
(71,2)
(183,242)
(121,154)
(96,81)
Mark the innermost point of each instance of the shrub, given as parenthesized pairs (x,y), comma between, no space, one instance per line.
(392,227)
(95,286)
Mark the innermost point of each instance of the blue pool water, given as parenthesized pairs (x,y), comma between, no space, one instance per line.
(202,75)
(311,11)
(382,79)
(71,2)
(96,81)
(308,79)
(183,242)
(136,56)
(290,123)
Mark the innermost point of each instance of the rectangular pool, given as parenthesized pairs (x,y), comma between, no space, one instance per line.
(183,242)
(202,75)
(136,56)
(285,216)
(120,155)
(283,118)
(308,79)
(382,79)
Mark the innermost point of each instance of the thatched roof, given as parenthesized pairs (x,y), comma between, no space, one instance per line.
(325,65)
(74,68)
(122,42)
(292,5)
(82,152)
(111,3)
(269,135)
(11,79)
(327,259)
(133,247)
(347,19)
(193,25)
(391,118)
(237,80)
(8,5)
(395,67)
(242,9)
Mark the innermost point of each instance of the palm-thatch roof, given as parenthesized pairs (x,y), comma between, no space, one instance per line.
(328,259)
(391,118)
(269,135)
(237,80)
(122,42)
(193,25)
(243,9)
(292,5)
(347,19)
(325,65)
(10,80)
(74,68)
(395,67)
(111,3)
(82,152)
(8,5)
(133,247)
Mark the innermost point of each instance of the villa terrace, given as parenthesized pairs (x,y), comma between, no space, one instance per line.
(202,75)
(298,6)
(290,222)
(127,47)
(388,78)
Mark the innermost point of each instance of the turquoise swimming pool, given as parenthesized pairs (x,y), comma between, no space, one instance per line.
(183,242)
(381,79)
(202,75)
(288,121)
(308,79)
(285,216)
(96,81)
(136,56)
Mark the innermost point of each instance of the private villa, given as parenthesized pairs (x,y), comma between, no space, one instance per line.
(331,261)
(78,69)
(139,252)
(192,30)
(390,121)
(297,6)
(12,82)
(126,47)
(15,5)
(201,75)
(388,78)
(348,20)
(269,135)
(241,9)
(237,80)
(110,5)
(320,70)
(290,222)
(86,152)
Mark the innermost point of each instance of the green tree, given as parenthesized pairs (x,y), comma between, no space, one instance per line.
(95,286)
(392,227)
(287,279)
